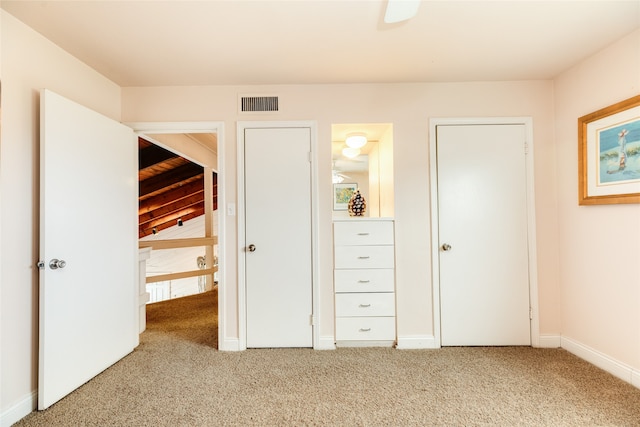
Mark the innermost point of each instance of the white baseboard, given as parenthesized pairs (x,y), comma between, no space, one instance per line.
(229,344)
(602,361)
(635,379)
(549,341)
(19,410)
(416,342)
(327,342)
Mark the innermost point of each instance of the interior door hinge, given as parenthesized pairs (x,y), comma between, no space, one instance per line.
(310,156)
(526,148)
(311,320)
(530,313)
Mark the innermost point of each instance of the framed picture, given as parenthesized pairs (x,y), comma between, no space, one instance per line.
(341,194)
(609,154)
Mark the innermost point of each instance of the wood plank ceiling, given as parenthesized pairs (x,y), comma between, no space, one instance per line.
(171,188)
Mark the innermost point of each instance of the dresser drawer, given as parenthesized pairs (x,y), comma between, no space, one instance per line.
(363,257)
(362,304)
(364,280)
(363,233)
(365,328)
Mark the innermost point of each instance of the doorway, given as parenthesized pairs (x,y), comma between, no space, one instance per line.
(277,260)
(483,228)
(186,228)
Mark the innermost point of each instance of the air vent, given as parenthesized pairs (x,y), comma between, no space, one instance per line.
(258,103)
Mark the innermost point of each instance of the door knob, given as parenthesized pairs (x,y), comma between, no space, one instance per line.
(251,248)
(56,263)
(446,247)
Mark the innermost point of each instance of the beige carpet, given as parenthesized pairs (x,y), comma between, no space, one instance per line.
(177,378)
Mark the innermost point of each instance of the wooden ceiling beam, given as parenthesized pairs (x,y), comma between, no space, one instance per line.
(162,199)
(174,215)
(168,222)
(170,208)
(172,177)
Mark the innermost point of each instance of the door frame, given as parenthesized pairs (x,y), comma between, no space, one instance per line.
(242,280)
(531,216)
(142,128)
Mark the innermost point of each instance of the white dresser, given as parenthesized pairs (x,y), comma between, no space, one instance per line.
(364,282)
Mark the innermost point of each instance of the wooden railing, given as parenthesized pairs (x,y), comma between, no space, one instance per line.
(180,243)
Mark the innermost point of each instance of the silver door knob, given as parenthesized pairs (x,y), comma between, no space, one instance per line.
(446,247)
(251,248)
(55,264)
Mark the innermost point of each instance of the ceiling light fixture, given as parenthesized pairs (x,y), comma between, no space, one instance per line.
(350,152)
(356,140)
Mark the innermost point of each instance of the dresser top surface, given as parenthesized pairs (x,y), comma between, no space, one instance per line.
(366,218)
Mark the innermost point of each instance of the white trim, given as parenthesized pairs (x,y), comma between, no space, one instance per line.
(635,379)
(242,294)
(531,218)
(326,342)
(410,342)
(20,410)
(242,280)
(549,341)
(217,128)
(602,361)
(229,344)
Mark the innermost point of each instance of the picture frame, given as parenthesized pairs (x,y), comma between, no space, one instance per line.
(609,154)
(342,192)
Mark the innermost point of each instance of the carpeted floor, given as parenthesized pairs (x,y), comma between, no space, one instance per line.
(177,378)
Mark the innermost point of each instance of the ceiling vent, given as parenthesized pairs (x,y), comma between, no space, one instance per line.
(264,104)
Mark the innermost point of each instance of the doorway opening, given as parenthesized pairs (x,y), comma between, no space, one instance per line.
(179,228)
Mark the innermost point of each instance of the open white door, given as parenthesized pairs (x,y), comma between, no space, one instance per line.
(88,222)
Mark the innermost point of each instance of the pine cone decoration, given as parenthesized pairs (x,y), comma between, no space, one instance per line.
(357,204)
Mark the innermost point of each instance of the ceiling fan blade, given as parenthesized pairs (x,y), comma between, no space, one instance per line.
(400,10)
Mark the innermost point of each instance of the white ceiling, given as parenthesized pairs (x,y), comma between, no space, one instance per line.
(239,42)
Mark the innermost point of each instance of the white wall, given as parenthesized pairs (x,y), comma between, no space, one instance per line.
(408,107)
(29,63)
(599,245)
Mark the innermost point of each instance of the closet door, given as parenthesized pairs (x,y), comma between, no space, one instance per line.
(278,256)
(484,276)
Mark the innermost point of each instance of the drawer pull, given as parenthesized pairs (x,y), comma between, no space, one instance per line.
(364,305)
(364,281)
(364,257)
(363,234)
(365,329)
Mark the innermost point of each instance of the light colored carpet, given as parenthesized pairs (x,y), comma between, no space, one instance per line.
(177,378)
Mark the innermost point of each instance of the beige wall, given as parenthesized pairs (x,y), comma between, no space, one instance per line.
(30,63)
(408,107)
(599,245)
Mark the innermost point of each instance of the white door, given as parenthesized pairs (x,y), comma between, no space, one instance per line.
(278,237)
(88,215)
(484,278)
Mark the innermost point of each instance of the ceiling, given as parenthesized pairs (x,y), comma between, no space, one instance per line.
(240,42)
(171,187)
